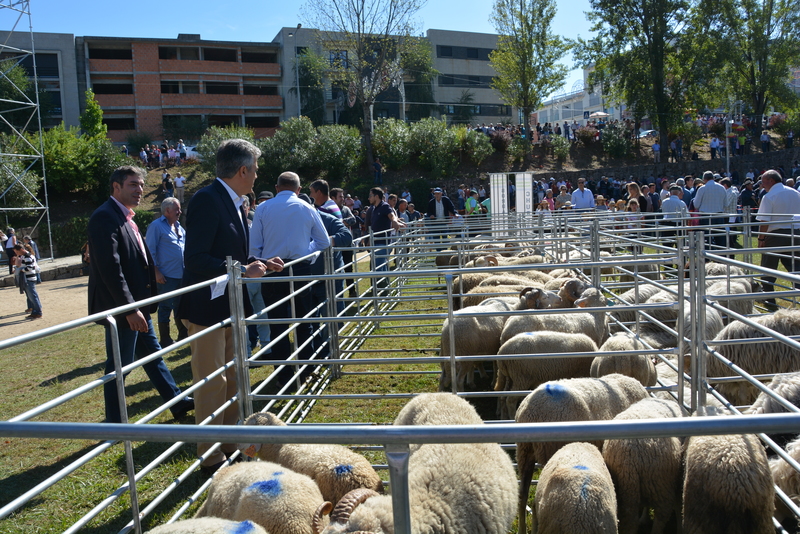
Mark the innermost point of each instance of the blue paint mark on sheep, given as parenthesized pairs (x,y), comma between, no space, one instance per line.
(245,527)
(555,390)
(271,488)
(581,467)
(342,470)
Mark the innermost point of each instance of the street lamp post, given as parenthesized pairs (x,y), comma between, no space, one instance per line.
(296,67)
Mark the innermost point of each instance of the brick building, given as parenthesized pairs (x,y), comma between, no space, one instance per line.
(148,85)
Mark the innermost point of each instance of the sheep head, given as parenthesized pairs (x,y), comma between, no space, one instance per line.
(486,261)
(534,298)
(591,298)
(341,513)
(259,419)
(570,291)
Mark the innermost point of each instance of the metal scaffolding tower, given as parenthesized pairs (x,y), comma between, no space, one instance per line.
(19,112)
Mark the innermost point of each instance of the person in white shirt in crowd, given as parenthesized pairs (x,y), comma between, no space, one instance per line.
(582,198)
(180,183)
(710,199)
(775,212)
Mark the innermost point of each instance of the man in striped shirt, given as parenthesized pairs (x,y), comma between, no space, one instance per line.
(322,200)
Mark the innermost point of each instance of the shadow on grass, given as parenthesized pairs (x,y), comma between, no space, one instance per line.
(95,369)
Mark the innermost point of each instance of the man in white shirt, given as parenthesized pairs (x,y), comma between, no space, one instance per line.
(582,198)
(776,211)
(710,199)
(290,229)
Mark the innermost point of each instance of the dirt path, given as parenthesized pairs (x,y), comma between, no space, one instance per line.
(62,301)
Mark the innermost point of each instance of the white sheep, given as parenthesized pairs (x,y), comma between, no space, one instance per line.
(480,335)
(593,324)
(638,366)
(728,486)
(336,469)
(755,357)
(667,376)
(527,374)
(453,488)
(787,479)
(575,399)
(275,497)
(635,295)
(575,494)
(658,338)
(209,525)
(479,294)
(647,472)
(733,287)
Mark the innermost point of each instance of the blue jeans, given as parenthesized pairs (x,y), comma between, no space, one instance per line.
(165,307)
(262,330)
(32,296)
(133,345)
(381,257)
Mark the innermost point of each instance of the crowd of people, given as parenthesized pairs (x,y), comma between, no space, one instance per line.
(167,155)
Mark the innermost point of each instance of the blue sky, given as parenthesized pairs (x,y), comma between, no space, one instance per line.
(253,20)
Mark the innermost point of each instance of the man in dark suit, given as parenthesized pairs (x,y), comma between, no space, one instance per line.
(122,272)
(216,228)
(440,209)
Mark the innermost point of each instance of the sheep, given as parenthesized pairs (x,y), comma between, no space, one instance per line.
(733,287)
(786,386)
(755,357)
(647,472)
(658,338)
(667,376)
(453,488)
(278,499)
(638,366)
(593,324)
(494,261)
(647,270)
(481,335)
(574,399)
(527,374)
(787,479)
(633,296)
(479,294)
(728,486)
(504,280)
(720,269)
(336,469)
(209,525)
(575,494)
(564,273)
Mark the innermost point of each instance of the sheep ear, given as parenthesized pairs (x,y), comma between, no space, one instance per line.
(581,303)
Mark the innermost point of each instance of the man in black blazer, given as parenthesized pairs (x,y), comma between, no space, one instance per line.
(122,272)
(216,227)
(440,209)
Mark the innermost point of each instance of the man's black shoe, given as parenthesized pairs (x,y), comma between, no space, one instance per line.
(182,408)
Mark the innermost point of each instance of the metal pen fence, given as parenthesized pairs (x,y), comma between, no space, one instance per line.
(389,322)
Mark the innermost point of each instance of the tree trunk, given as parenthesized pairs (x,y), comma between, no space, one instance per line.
(366,135)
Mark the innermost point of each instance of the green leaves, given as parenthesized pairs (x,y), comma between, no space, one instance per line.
(92,117)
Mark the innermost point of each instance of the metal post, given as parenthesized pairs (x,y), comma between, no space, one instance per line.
(373,256)
(239,335)
(696,242)
(397,457)
(333,309)
(596,252)
(448,278)
(747,218)
(130,467)
(700,322)
(679,326)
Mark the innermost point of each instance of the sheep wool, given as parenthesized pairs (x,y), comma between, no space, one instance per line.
(787,479)
(647,472)
(209,525)
(454,488)
(336,469)
(278,499)
(638,366)
(575,399)
(728,486)
(575,494)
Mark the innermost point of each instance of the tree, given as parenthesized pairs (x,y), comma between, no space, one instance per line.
(186,127)
(311,74)
(464,110)
(417,63)
(17,98)
(366,40)
(527,54)
(92,117)
(637,56)
(757,43)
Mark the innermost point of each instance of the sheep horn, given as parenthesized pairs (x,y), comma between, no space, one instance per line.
(525,292)
(324,509)
(491,260)
(348,503)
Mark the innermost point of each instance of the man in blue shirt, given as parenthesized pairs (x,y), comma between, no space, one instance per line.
(383,219)
(710,199)
(582,198)
(166,240)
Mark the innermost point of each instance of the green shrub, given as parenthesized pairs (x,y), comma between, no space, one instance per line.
(337,150)
(616,141)
(436,146)
(391,141)
(586,135)
(138,140)
(560,146)
(68,237)
(209,143)
(289,149)
(17,192)
(718,128)
(690,133)
(500,140)
(519,149)
(474,144)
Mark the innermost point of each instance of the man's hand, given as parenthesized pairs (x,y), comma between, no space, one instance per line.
(160,278)
(274,264)
(137,322)
(255,270)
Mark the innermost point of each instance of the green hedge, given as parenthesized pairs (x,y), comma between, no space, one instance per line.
(70,236)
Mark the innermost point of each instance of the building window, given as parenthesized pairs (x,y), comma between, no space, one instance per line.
(266,90)
(219,54)
(110,53)
(262,122)
(222,88)
(259,57)
(167,52)
(46,64)
(112,88)
(446,80)
(120,124)
(338,59)
(186,88)
(474,80)
(224,120)
(445,51)
(170,88)
(472,53)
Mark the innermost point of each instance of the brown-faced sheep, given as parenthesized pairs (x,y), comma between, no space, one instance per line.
(728,486)
(453,488)
(638,366)
(575,399)
(337,470)
(647,472)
